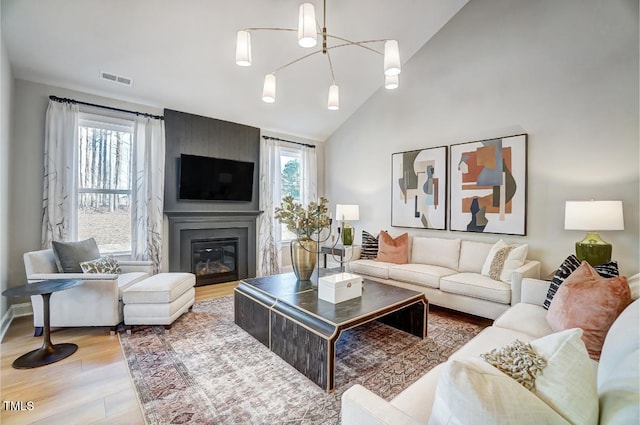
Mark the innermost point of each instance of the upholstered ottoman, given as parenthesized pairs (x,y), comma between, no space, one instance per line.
(158,300)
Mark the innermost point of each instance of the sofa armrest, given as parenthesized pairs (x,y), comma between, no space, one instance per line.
(530,269)
(82,276)
(362,407)
(130,266)
(534,291)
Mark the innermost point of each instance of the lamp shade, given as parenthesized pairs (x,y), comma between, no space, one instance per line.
(307,34)
(346,212)
(391,82)
(391,58)
(269,89)
(593,215)
(243,48)
(334,98)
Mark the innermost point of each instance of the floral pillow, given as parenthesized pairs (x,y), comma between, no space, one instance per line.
(103,265)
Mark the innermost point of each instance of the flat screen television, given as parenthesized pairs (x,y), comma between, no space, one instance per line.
(215,179)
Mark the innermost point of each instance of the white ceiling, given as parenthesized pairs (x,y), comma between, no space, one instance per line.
(181,53)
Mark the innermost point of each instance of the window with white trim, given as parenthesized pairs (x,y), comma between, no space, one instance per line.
(104,181)
(290,173)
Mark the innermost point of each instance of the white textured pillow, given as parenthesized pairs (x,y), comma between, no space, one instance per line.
(472,391)
(515,259)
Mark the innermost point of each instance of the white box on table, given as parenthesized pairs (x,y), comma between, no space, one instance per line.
(339,287)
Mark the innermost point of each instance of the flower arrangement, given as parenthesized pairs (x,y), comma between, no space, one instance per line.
(303,222)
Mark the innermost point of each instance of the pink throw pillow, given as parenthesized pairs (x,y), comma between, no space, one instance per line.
(591,302)
(392,250)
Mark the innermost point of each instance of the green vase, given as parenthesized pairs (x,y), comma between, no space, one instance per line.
(347,235)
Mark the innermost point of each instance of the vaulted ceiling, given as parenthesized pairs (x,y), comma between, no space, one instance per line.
(180,54)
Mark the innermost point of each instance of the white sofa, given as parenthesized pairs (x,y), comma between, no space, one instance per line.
(448,271)
(98,302)
(618,371)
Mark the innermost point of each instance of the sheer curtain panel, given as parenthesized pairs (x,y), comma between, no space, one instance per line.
(268,227)
(59,199)
(148,191)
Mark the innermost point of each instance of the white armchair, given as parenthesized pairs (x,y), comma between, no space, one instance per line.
(98,302)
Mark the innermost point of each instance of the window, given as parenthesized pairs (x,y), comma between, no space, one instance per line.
(290,160)
(104,182)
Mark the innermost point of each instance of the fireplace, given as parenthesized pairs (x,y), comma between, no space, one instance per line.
(214,260)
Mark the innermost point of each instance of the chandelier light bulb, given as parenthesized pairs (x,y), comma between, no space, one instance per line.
(391,58)
(243,48)
(391,82)
(307,34)
(269,89)
(334,98)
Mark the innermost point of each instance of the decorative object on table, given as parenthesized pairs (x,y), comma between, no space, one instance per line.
(307,224)
(308,38)
(344,214)
(591,216)
(489,186)
(340,287)
(419,188)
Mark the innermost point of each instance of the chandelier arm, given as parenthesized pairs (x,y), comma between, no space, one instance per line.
(358,43)
(333,77)
(296,60)
(269,29)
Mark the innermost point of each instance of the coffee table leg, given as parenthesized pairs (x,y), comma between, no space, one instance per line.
(48,353)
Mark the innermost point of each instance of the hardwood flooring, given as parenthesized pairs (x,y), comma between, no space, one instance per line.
(90,387)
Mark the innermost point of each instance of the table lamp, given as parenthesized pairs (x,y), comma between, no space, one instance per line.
(344,213)
(593,216)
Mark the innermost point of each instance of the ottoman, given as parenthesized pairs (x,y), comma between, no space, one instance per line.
(158,300)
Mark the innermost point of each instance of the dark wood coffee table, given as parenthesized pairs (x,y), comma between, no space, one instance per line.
(286,315)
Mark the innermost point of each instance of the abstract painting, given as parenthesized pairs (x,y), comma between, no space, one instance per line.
(419,188)
(489,186)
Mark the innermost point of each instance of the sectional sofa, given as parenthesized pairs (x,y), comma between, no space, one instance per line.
(453,273)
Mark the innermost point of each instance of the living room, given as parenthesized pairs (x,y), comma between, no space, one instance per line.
(563,73)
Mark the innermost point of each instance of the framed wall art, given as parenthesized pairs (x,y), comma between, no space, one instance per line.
(489,186)
(419,188)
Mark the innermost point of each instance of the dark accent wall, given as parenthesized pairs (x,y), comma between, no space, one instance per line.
(198,135)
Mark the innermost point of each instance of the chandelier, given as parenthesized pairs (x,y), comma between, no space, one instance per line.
(308,31)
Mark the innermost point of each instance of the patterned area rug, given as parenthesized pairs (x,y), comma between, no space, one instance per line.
(206,370)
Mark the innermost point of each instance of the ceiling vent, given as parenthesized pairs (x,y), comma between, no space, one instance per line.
(116,78)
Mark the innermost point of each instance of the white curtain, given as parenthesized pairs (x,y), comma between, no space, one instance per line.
(268,227)
(308,176)
(148,191)
(59,199)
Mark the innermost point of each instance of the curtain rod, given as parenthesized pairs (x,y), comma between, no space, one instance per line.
(288,141)
(66,100)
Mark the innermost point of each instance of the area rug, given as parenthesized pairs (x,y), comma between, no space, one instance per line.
(206,370)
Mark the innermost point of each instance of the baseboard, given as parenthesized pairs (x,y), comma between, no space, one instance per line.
(16,310)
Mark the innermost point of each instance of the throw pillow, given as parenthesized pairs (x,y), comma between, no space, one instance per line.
(105,265)
(393,250)
(369,249)
(568,266)
(591,302)
(518,360)
(69,255)
(503,259)
(471,391)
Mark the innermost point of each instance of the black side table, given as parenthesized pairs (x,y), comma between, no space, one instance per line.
(48,353)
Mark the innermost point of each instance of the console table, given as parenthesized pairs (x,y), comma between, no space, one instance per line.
(48,353)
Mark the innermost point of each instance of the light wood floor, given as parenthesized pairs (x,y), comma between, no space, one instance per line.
(90,387)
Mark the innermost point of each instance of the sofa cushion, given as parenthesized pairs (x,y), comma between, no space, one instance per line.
(161,288)
(371,267)
(69,255)
(393,250)
(417,399)
(473,392)
(591,302)
(488,339)
(473,255)
(526,318)
(369,247)
(420,274)
(477,286)
(436,252)
(125,280)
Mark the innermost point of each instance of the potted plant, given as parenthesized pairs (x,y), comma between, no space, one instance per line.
(307,224)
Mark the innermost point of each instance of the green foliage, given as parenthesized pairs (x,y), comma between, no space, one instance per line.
(291,178)
(303,222)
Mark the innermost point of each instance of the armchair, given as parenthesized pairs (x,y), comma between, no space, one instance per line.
(98,302)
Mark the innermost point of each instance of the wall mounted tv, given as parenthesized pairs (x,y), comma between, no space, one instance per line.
(215,179)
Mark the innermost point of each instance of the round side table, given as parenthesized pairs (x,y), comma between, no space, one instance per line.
(48,353)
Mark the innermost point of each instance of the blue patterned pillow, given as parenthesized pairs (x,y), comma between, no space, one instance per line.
(568,266)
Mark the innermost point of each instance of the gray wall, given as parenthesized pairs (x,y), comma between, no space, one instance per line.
(564,72)
(6,89)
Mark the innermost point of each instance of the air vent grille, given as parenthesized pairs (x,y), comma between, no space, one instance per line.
(116,78)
